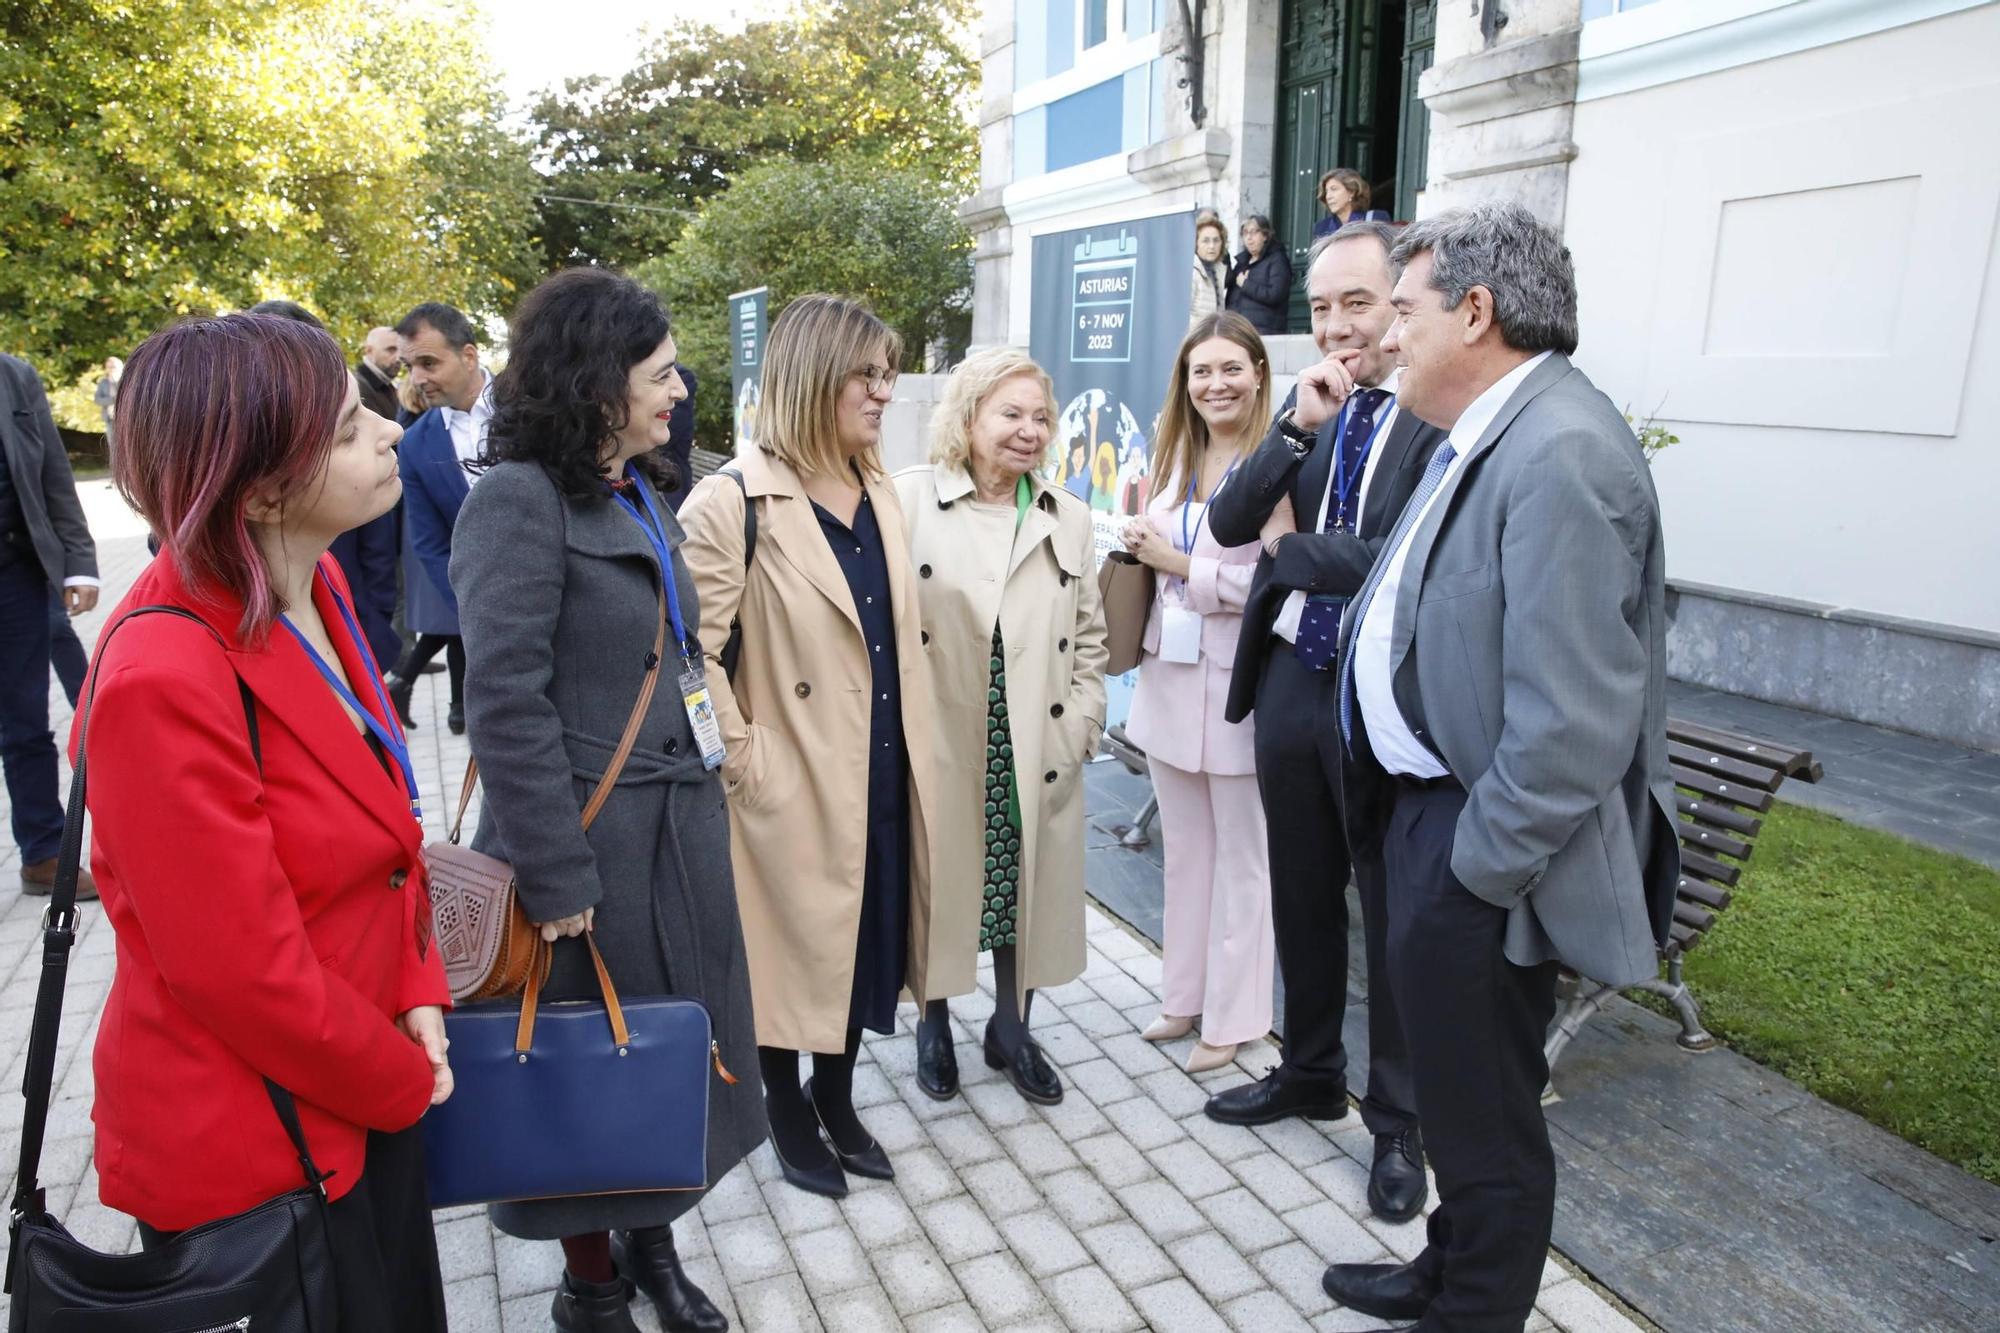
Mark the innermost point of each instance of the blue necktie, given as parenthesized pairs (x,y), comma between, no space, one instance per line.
(1319,623)
(1426,487)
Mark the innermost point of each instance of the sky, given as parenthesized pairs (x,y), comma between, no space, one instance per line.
(538,44)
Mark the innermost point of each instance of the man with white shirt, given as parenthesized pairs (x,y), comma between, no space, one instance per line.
(440,348)
(1502,701)
(1337,466)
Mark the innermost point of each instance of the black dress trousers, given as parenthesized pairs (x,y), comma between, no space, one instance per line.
(1298,777)
(1476,1024)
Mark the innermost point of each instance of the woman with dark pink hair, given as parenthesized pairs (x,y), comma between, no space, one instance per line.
(257,839)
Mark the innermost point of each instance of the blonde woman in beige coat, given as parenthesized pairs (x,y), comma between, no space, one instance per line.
(1007,579)
(825,725)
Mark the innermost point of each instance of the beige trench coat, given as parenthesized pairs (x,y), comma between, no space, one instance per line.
(795,728)
(1042,586)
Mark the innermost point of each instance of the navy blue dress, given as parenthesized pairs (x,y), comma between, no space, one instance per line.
(882,944)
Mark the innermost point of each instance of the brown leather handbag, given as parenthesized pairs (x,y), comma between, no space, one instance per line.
(490,948)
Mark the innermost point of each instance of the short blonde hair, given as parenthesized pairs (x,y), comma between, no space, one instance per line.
(817,343)
(971,382)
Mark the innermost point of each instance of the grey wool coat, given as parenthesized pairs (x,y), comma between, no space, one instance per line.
(558,602)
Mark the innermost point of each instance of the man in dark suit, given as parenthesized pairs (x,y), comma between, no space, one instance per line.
(375,372)
(44,544)
(1337,467)
(1503,703)
(442,352)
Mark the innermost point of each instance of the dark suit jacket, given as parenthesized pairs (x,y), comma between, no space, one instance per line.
(434,486)
(1312,562)
(31,450)
(368,555)
(378,393)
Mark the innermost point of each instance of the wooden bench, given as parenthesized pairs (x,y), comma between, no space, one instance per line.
(703,463)
(1724,784)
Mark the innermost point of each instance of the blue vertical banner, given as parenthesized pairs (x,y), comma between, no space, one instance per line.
(1108,310)
(749,319)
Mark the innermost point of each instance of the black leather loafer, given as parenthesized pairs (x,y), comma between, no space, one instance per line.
(1396,1185)
(937,1063)
(1274,1097)
(647,1258)
(1029,1070)
(1389,1291)
(871,1161)
(593,1307)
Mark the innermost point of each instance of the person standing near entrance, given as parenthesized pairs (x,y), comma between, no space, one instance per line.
(1502,701)
(439,449)
(45,545)
(1260,281)
(1345,457)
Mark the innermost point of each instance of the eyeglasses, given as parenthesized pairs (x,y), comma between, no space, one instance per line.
(878,378)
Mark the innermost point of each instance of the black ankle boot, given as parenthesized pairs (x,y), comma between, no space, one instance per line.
(647,1256)
(399,695)
(593,1307)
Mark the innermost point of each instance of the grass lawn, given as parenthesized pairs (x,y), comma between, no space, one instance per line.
(1868,969)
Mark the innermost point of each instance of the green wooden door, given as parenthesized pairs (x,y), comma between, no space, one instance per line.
(1414,151)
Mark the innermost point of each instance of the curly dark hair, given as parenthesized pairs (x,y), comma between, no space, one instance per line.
(571,347)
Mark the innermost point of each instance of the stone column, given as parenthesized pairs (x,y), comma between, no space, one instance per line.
(984,213)
(1502,97)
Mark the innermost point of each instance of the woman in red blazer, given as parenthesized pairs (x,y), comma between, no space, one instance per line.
(271,923)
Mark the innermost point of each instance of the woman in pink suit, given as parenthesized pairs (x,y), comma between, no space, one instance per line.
(1218,946)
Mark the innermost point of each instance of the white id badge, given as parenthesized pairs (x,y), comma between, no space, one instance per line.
(701,716)
(1180,634)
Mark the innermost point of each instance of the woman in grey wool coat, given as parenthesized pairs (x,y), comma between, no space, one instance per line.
(558,585)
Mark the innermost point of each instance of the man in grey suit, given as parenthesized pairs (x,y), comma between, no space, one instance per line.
(44,544)
(1503,700)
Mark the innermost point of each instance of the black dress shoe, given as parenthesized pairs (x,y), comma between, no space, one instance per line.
(399,695)
(1391,1291)
(824,1178)
(1396,1185)
(1029,1070)
(1274,1097)
(871,1161)
(456,719)
(648,1258)
(937,1063)
(593,1307)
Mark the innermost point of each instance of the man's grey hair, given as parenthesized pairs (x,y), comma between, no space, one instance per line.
(1512,254)
(1382,233)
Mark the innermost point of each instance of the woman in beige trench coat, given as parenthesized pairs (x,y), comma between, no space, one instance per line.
(1015,636)
(825,725)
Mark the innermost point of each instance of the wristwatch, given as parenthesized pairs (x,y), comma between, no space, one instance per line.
(1298,437)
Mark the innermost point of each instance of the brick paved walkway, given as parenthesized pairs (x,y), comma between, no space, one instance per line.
(1123,1208)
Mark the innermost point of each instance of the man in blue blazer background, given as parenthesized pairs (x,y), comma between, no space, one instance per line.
(442,351)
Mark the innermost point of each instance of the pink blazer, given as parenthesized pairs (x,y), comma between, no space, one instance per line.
(1177,710)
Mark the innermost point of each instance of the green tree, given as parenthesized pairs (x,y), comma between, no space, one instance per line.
(172,156)
(881,78)
(887,234)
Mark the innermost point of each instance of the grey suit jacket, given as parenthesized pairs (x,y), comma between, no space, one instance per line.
(34,456)
(1529,651)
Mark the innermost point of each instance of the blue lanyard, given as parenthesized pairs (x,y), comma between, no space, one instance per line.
(656,533)
(392,741)
(1187,538)
(1343,485)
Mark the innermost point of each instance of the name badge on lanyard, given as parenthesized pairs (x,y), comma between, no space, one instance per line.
(1180,626)
(693,680)
(1344,485)
(392,741)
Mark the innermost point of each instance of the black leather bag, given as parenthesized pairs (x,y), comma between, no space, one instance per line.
(270,1268)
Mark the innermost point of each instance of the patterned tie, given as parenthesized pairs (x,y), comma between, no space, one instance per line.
(1319,623)
(1427,486)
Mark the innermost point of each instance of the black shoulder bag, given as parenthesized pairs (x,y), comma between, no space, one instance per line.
(733,649)
(270,1268)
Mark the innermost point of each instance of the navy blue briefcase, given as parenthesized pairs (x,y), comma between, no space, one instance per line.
(572,1097)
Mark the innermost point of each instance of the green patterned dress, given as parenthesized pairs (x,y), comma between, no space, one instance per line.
(999,916)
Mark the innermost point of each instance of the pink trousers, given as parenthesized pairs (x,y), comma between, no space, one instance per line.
(1217,955)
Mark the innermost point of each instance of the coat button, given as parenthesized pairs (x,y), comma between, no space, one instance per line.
(924,570)
(944,504)
(1062,645)
(802,689)
(397,879)
(1062,580)
(1055,710)
(673,745)
(1049,776)
(925,635)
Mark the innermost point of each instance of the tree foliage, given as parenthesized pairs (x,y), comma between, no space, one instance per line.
(878,78)
(851,225)
(159,157)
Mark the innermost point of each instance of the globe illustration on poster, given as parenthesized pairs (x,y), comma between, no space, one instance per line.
(1099,454)
(747,398)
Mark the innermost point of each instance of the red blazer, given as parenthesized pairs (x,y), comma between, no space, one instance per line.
(266,925)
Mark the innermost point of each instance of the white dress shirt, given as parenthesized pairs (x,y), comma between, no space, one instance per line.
(468,429)
(1396,747)
(1286,626)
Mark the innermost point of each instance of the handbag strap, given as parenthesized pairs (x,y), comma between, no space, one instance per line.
(59,922)
(524,1031)
(602,792)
